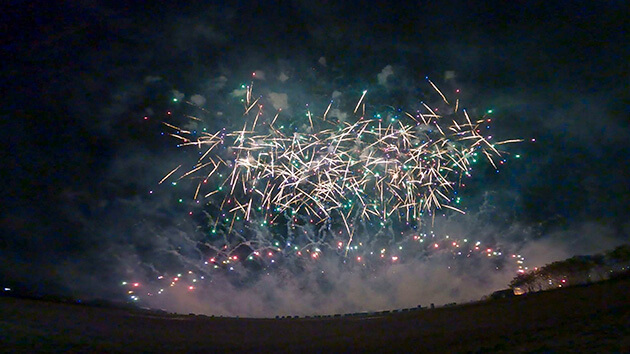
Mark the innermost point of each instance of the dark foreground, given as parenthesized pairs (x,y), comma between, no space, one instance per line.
(593,318)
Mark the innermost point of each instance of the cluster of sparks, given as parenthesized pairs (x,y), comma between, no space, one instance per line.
(333,178)
(397,164)
(431,243)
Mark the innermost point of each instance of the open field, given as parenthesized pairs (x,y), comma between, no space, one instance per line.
(593,318)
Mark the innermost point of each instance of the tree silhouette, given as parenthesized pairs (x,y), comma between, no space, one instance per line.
(574,271)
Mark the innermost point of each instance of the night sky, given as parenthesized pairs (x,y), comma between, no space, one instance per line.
(82,212)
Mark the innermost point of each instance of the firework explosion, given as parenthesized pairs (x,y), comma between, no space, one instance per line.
(384,165)
(284,192)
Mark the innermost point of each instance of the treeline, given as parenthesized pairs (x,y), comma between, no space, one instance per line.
(574,271)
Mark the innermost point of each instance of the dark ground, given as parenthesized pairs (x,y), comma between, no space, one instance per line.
(593,318)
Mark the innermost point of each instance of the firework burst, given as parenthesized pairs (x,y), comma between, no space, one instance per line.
(385,164)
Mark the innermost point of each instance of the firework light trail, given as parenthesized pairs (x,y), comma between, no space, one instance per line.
(387,165)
